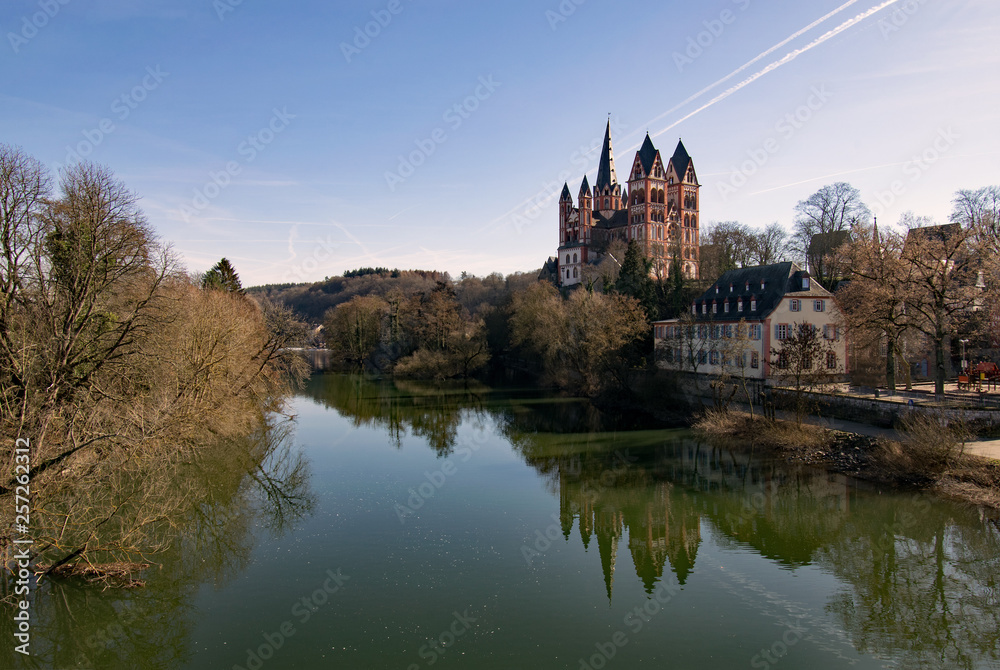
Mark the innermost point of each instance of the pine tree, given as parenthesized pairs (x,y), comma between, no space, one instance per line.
(222,277)
(634,280)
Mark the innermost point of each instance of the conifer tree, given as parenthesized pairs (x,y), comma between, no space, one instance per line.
(222,277)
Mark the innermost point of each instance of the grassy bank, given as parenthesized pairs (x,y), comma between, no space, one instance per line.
(927,456)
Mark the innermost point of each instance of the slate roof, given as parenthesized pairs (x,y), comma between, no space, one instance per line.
(680,159)
(606,170)
(647,154)
(617,220)
(935,233)
(565,193)
(779,280)
(585,186)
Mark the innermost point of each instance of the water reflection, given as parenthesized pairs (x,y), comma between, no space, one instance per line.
(918,574)
(241,491)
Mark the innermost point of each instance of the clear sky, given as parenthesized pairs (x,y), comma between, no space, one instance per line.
(282,136)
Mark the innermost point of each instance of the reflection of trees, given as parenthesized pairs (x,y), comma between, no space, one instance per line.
(920,582)
(919,577)
(233,487)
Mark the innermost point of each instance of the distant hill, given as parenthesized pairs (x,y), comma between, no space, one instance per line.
(311,301)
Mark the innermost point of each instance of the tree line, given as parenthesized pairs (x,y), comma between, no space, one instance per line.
(122,371)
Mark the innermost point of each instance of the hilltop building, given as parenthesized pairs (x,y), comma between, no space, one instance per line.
(659,209)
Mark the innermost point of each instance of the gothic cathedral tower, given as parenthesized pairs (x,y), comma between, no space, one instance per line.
(659,211)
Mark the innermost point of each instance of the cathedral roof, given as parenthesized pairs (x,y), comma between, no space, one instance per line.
(647,154)
(585,186)
(606,171)
(681,159)
(617,220)
(565,193)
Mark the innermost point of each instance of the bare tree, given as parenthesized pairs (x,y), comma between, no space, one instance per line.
(801,361)
(770,245)
(828,213)
(944,288)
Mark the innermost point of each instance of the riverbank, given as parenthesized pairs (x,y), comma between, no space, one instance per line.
(925,457)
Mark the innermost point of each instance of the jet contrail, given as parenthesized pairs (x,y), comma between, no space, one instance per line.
(542,198)
(765,54)
(792,55)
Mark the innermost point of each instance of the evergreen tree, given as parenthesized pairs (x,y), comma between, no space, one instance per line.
(222,277)
(634,280)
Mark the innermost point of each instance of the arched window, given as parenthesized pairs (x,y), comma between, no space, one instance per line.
(574,258)
(576,273)
(607,203)
(567,259)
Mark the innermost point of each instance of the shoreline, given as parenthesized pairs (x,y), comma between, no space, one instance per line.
(961,476)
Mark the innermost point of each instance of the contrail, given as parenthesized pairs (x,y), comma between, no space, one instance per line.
(542,198)
(765,54)
(778,63)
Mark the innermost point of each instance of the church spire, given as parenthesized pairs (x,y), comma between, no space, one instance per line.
(606,176)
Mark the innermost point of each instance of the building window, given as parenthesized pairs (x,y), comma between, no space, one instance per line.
(704,307)
(805,283)
(694,308)
(795,305)
(725,307)
(754,360)
(729,332)
(781,331)
(761,284)
(576,272)
(714,358)
(567,258)
(574,258)
(739,305)
(754,329)
(831,361)
(715,308)
(753,304)
(819,305)
(702,357)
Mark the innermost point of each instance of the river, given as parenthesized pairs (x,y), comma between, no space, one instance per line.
(411,525)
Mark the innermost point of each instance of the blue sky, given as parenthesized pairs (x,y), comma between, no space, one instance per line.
(284,137)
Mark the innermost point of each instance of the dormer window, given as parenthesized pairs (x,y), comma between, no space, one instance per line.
(726,307)
(747,288)
(704,308)
(805,283)
(715,308)
(739,305)
(753,304)
(716,289)
(694,308)
(730,288)
(761,284)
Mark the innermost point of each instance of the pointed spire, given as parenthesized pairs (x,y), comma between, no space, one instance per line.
(585,187)
(606,171)
(565,193)
(681,159)
(647,154)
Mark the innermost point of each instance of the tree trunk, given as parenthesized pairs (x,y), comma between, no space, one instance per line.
(939,364)
(890,365)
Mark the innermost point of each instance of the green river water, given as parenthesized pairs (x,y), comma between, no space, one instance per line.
(442,526)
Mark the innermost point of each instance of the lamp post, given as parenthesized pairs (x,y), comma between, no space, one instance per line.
(965,363)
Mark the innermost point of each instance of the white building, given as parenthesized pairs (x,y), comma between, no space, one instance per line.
(771,300)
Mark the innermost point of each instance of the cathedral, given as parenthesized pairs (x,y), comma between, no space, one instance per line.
(659,211)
